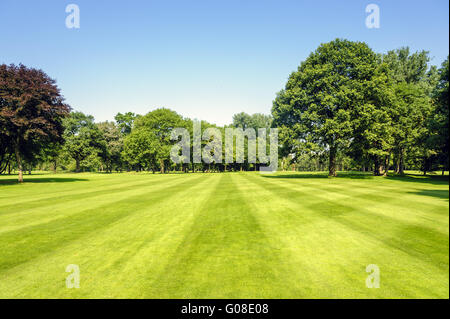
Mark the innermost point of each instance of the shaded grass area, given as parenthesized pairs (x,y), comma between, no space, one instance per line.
(407,177)
(13,181)
(227,235)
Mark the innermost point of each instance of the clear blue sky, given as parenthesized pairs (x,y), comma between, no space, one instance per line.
(204,59)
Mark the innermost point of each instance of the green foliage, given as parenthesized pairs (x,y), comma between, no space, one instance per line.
(255,121)
(407,67)
(111,145)
(320,100)
(149,141)
(82,137)
(125,122)
(344,99)
(411,83)
(141,148)
(438,139)
(359,109)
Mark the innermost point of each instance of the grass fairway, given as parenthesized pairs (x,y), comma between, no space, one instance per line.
(227,235)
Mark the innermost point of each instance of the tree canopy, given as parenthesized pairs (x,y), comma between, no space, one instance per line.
(32,110)
(320,100)
(345,107)
(152,129)
(82,137)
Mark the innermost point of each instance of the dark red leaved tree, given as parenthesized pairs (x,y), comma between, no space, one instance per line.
(31,111)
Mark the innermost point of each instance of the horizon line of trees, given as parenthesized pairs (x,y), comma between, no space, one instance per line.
(345,108)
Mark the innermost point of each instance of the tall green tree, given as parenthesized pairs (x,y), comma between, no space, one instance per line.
(438,138)
(319,99)
(372,141)
(160,123)
(111,145)
(412,82)
(254,121)
(82,137)
(141,148)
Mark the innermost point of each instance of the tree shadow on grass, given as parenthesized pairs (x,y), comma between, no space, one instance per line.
(351,175)
(296,176)
(442,194)
(417,178)
(13,181)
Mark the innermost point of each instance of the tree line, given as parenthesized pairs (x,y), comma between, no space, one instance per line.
(369,111)
(345,108)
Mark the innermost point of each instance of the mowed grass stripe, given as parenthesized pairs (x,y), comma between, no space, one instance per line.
(375,230)
(224,254)
(54,209)
(403,203)
(49,184)
(384,208)
(391,184)
(316,248)
(314,256)
(238,235)
(23,244)
(295,231)
(121,259)
(72,191)
(362,213)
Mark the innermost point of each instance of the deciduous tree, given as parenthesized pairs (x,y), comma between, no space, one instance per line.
(82,137)
(32,110)
(319,99)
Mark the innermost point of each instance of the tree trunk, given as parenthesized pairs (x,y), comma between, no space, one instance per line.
(332,162)
(161,163)
(396,164)
(401,161)
(77,167)
(19,164)
(54,166)
(376,167)
(386,165)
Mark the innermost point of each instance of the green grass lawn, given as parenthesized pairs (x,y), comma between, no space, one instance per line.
(225,235)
